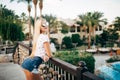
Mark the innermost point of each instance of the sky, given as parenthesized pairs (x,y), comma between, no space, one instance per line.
(70,8)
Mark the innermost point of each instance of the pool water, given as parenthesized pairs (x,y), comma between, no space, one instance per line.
(111,72)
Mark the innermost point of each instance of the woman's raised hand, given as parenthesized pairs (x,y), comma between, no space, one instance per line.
(45,58)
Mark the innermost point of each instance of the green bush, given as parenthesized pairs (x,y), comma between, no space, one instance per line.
(109,44)
(67,41)
(113,59)
(10,25)
(74,57)
(76,39)
(89,59)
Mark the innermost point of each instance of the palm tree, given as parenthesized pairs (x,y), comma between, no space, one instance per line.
(82,23)
(2,15)
(94,20)
(23,16)
(97,16)
(89,24)
(29,10)
(2,7)
(52,20)
(90,21)
(35,6)
(10,28)
(86,20)
(41,7)
(117,23)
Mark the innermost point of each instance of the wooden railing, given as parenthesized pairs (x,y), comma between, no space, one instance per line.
(61,70)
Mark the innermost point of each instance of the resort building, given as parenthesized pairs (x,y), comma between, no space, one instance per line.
(73,29)
(76,29)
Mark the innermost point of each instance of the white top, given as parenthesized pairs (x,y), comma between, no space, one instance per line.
(40,50)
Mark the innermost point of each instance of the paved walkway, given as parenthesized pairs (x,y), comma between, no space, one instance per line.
(11,71)
(100,59)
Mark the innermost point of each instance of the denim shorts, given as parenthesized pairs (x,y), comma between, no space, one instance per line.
(31,63)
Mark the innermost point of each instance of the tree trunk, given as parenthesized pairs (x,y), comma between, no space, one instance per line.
(35,6)
(35,18)
(29,10)
(89,41)
(41,6)
(35,15)
(85,30)
(94,34)
(29,30)
(89,37)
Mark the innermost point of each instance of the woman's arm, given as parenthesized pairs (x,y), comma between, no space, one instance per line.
(47,48)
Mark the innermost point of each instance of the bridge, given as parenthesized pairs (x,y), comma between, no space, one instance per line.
(55,69)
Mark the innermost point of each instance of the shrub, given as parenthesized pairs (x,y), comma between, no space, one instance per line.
(74,57)
(76,39)
(113,59)
(89,59)
(54,40)
(67,41)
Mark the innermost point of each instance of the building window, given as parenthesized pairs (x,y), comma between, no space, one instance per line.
(100,28)
(96,29)
(78,28)
(72,28)
(83,30)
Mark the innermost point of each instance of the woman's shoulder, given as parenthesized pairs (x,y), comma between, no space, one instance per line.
(43,36)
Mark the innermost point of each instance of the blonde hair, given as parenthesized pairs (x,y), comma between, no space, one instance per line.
(37,30)
(38,24)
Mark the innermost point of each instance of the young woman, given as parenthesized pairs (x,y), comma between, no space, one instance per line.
(40,51)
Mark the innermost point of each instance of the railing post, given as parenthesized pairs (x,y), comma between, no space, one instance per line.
(6,50)
(18,55)
(78,73)
(81,69)
(30,45)
(30,51)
